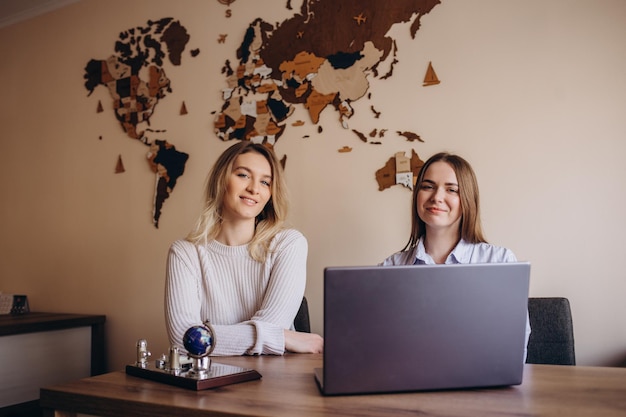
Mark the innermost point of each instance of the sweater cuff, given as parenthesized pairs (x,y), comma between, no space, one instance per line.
(270,339)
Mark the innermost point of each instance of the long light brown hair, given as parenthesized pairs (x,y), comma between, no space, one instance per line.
(269,222)
(470,228)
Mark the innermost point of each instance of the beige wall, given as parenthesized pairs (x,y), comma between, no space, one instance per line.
(533,94)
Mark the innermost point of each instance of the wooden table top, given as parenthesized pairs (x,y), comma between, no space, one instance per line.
(40,321)
(288,388)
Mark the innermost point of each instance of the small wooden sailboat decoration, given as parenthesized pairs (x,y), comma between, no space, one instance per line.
(119,168)
(431,76)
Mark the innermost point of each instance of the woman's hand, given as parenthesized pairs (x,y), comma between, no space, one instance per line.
(300,342)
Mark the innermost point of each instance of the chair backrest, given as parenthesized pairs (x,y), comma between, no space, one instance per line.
(552,332)
(302,323)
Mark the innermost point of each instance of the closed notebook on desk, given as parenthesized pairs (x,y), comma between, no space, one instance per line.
(423,327)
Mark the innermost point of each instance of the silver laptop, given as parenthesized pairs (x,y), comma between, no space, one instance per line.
(423,327)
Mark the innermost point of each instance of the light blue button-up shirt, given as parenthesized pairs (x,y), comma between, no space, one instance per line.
(463,253)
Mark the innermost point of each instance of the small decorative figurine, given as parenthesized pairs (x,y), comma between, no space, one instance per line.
(142,353)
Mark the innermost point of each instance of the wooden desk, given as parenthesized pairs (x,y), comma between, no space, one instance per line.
(288,388)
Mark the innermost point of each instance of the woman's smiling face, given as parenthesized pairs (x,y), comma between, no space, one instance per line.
(438,200)
(249,187)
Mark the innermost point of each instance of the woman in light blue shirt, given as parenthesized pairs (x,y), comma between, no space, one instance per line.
(446,226)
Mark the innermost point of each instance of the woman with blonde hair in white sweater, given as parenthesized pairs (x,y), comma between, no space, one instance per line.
(240,267)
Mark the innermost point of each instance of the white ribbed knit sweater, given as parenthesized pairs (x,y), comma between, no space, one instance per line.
(248,303)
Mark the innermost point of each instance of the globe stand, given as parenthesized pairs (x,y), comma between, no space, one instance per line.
(200,366)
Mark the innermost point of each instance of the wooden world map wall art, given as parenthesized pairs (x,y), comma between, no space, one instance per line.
(136,80)
(322,57)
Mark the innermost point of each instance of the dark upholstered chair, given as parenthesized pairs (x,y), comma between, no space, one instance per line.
(552,332)
(302,323)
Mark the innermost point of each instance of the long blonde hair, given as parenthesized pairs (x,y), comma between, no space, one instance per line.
(470,228)
(269,222)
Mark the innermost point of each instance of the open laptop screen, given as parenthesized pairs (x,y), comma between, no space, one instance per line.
(424,327)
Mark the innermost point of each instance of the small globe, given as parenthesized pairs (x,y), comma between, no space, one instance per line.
(198,341)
